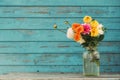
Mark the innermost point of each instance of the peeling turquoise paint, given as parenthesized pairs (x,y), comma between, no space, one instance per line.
(28,42)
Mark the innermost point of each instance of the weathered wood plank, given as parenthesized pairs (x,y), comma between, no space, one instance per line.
(59,11)
(10,69)
(54,47)
(46,35)
(44,51)
(108,59)
(58,76)
(61,3)
(47,23)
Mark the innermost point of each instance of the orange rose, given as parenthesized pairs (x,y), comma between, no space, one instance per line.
(77,37)
(79,29)
(75,25)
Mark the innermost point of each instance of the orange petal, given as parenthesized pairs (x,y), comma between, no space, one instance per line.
(79,29)
(75,25)
(77,37)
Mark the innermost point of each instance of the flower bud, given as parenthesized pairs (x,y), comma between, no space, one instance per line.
(55,26)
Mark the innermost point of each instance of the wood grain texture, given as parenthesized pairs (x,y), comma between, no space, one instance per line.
(59,11)
(10,69)
(55,59)
(57,76)
(28,42)
(47,35)
(54,47)
(47,23)
(61,3)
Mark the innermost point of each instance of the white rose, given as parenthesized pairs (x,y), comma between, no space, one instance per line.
(70,33)
(100,30)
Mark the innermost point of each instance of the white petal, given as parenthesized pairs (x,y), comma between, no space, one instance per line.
(101,32)
(100,29)
(100,25)
(70,33)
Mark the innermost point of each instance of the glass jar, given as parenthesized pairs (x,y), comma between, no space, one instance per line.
(91,66)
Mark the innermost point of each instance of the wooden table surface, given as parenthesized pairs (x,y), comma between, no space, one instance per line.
(57,76)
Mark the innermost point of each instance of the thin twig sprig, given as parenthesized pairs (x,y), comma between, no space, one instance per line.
(56,27)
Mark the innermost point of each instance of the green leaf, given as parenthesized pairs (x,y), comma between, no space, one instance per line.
(101,37)
(85,44)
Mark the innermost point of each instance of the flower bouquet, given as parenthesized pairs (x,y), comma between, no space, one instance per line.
(88,34)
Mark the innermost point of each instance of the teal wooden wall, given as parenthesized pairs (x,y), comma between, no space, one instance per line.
(28,43)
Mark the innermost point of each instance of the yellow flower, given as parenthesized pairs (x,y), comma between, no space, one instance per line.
(87,19)
(94,32)
(94,24)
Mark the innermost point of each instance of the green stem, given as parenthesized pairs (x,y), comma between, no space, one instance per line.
(69,24)
(61,31)
(66,22)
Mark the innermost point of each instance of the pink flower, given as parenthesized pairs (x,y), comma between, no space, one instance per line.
(86,28)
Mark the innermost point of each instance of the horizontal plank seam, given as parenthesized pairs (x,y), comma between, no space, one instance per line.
(57,53)
(58,17)
(47,29)
(51,41)
(53,65)
(59,5)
